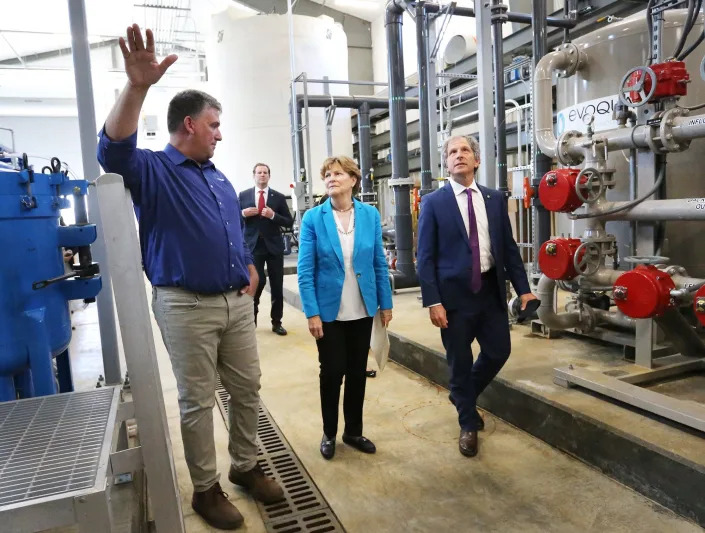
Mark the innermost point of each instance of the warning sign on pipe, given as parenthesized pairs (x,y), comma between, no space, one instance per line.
(577,117)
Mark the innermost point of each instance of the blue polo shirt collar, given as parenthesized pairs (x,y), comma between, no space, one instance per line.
(177,157)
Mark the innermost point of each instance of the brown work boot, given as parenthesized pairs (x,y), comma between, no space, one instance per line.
(260,486)
(214,507)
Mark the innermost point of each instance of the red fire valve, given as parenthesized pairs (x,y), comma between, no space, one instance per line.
(644,292)
(671,80)
(557,190)
(699,304)
(556,258)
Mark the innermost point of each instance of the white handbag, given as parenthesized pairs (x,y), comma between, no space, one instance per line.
(379,341)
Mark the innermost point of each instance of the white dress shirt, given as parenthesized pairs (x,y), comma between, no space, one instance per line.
(483,229)
(266,195)
(352,306)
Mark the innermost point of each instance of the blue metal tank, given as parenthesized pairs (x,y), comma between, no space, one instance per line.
(35,284)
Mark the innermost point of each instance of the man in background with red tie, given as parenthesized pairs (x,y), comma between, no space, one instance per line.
(265,212)
(465,253)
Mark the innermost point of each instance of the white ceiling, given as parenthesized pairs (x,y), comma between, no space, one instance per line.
(43,25)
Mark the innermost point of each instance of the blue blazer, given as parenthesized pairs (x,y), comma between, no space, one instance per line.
(444,258)
(321,269)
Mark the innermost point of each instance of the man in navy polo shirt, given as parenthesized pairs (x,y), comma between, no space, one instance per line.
(202,273)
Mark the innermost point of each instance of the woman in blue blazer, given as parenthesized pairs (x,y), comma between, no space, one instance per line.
(343,280)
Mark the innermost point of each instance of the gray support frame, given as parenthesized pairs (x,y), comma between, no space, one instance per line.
(140,353)
(488,169)
(86,123)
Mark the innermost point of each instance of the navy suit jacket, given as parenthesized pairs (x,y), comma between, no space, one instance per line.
(268,229)
(444,258)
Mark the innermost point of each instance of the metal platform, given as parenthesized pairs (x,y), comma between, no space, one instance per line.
(54,460)
(625,384)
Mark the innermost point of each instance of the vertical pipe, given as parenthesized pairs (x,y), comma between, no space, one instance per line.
(295,117)
(400,163)
(87,129)
(542,163)
(365,149)
(488,173)
(303,169)
(500,113)
(633,176)
(329,126)
(309,162)
(424,118)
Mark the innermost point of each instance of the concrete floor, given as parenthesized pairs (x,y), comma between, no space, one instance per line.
(531,367)
(417,481)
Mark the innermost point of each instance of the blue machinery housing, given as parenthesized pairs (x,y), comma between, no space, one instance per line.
(35,282)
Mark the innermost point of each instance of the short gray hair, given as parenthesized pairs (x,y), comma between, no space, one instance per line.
(472,141)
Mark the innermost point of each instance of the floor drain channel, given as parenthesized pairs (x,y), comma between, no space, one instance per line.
(304,508)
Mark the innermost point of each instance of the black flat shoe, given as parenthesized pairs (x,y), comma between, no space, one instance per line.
(279,330)
(361,443)
(327,447)
(371,373)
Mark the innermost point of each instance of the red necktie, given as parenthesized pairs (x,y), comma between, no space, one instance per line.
(260,203)
(475,272)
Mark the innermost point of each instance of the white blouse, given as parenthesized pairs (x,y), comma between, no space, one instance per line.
(352,306)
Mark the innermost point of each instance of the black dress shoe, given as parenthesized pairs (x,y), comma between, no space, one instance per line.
(480,420)
(370,373)
(279,330)
(361,443)
(327,447)
(467,443)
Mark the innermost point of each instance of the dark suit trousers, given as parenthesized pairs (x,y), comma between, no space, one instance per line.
(342,352)
(491,329)
(275,270)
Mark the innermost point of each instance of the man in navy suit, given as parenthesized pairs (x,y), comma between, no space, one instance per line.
(465,253)
(265,212)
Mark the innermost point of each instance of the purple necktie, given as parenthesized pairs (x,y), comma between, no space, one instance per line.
(475,272)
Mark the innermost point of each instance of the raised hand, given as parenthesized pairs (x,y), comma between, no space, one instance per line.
(140,61)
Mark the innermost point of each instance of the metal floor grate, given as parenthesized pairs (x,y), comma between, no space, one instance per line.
(304,508)
(51,445)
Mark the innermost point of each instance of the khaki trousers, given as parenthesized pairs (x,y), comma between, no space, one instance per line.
(205,333)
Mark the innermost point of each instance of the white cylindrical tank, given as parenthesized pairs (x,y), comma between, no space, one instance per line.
(611,51)
(249,73)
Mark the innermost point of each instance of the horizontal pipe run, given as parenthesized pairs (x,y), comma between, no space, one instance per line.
(522,18)
(685,209)
(615,319)
(351,102)
(607,277)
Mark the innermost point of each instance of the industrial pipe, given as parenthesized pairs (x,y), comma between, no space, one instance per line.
(400,181)
(617,319)
(545,291)
(499,15)
(568,60)
(365,151)
(522,18)
(655,210)
(424,108)
(586,319)
(352,102)
(541,163)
